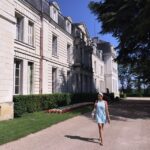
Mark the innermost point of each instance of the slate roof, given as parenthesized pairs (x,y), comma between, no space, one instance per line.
(35,3)
(43,6)
(105,47)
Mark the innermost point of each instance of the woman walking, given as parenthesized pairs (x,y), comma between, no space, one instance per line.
(102,115)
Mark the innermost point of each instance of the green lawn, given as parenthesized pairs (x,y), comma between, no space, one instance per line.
(30,123)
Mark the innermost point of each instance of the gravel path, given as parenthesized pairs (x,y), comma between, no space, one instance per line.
(129,130)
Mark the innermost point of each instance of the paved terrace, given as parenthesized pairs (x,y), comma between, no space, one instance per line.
(138,98)
(129,130)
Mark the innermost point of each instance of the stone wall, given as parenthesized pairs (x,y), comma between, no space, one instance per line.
(7,29)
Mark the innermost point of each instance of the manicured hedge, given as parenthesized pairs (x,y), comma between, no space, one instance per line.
(31,103)
(108,96)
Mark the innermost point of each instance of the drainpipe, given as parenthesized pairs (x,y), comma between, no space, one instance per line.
(41,51)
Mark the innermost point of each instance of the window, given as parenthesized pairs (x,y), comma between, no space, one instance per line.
(17,76)
(76,47)
(68,81)
(89,60)
(68,26)
(30,33)
(55,15)
(68,52)
(95,66)
(77,82)
(95,83)
(82,55)
(30,78)
(114,85)
(86,83)
(19,27)
(101,85)
(77,33)
(54,80)
(54,45)
(81,35)
(101,70)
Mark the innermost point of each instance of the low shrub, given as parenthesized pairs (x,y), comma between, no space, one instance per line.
(32,103)
(83,97)
(123,95)
(117,98)
(108,96)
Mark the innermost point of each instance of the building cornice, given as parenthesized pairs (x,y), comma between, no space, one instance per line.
(57,62)
(46,16)
(38,12)
(7,17)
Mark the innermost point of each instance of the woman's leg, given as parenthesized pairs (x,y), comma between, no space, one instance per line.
(100,127)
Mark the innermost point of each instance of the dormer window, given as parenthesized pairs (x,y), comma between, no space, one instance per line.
(54,10)
(77,33)
(55,15)
(68,26)
(81,35)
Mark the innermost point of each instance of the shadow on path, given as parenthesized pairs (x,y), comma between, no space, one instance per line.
(130,109)
(93,140)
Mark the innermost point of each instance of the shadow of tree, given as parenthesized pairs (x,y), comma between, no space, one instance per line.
(75,82)
(127,109)
(93,140)
(132,109)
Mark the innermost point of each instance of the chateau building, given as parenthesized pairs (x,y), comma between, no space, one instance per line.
(44,52)
(105,69)
(82,56)
(98,66)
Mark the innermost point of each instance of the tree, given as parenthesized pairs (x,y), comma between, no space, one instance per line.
(129,22)
(126,76)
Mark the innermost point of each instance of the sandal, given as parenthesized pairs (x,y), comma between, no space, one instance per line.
(101,143)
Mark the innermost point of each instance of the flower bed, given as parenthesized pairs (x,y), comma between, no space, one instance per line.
(68,108)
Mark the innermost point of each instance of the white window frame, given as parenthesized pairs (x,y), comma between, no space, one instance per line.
(68,80)
(30,77)
(95,66)
(19,27)
(54,45)
(101,70)
(54,80)
(19,76)
(68,26)
(68,52)
(55,15)
(30,33)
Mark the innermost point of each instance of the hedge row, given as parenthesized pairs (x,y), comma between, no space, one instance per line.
(31,103)
(108,96)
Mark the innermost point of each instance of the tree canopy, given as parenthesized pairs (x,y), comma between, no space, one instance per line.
(129,22)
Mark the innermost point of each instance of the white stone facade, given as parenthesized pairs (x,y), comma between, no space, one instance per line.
(59,61)
(44,52)
(26,53)
(82,62)
(98,69)
(110,67)
(7,30)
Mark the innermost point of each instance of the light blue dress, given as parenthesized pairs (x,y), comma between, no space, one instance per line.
(100,112)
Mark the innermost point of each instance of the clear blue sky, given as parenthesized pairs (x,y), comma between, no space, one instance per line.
(79,12)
